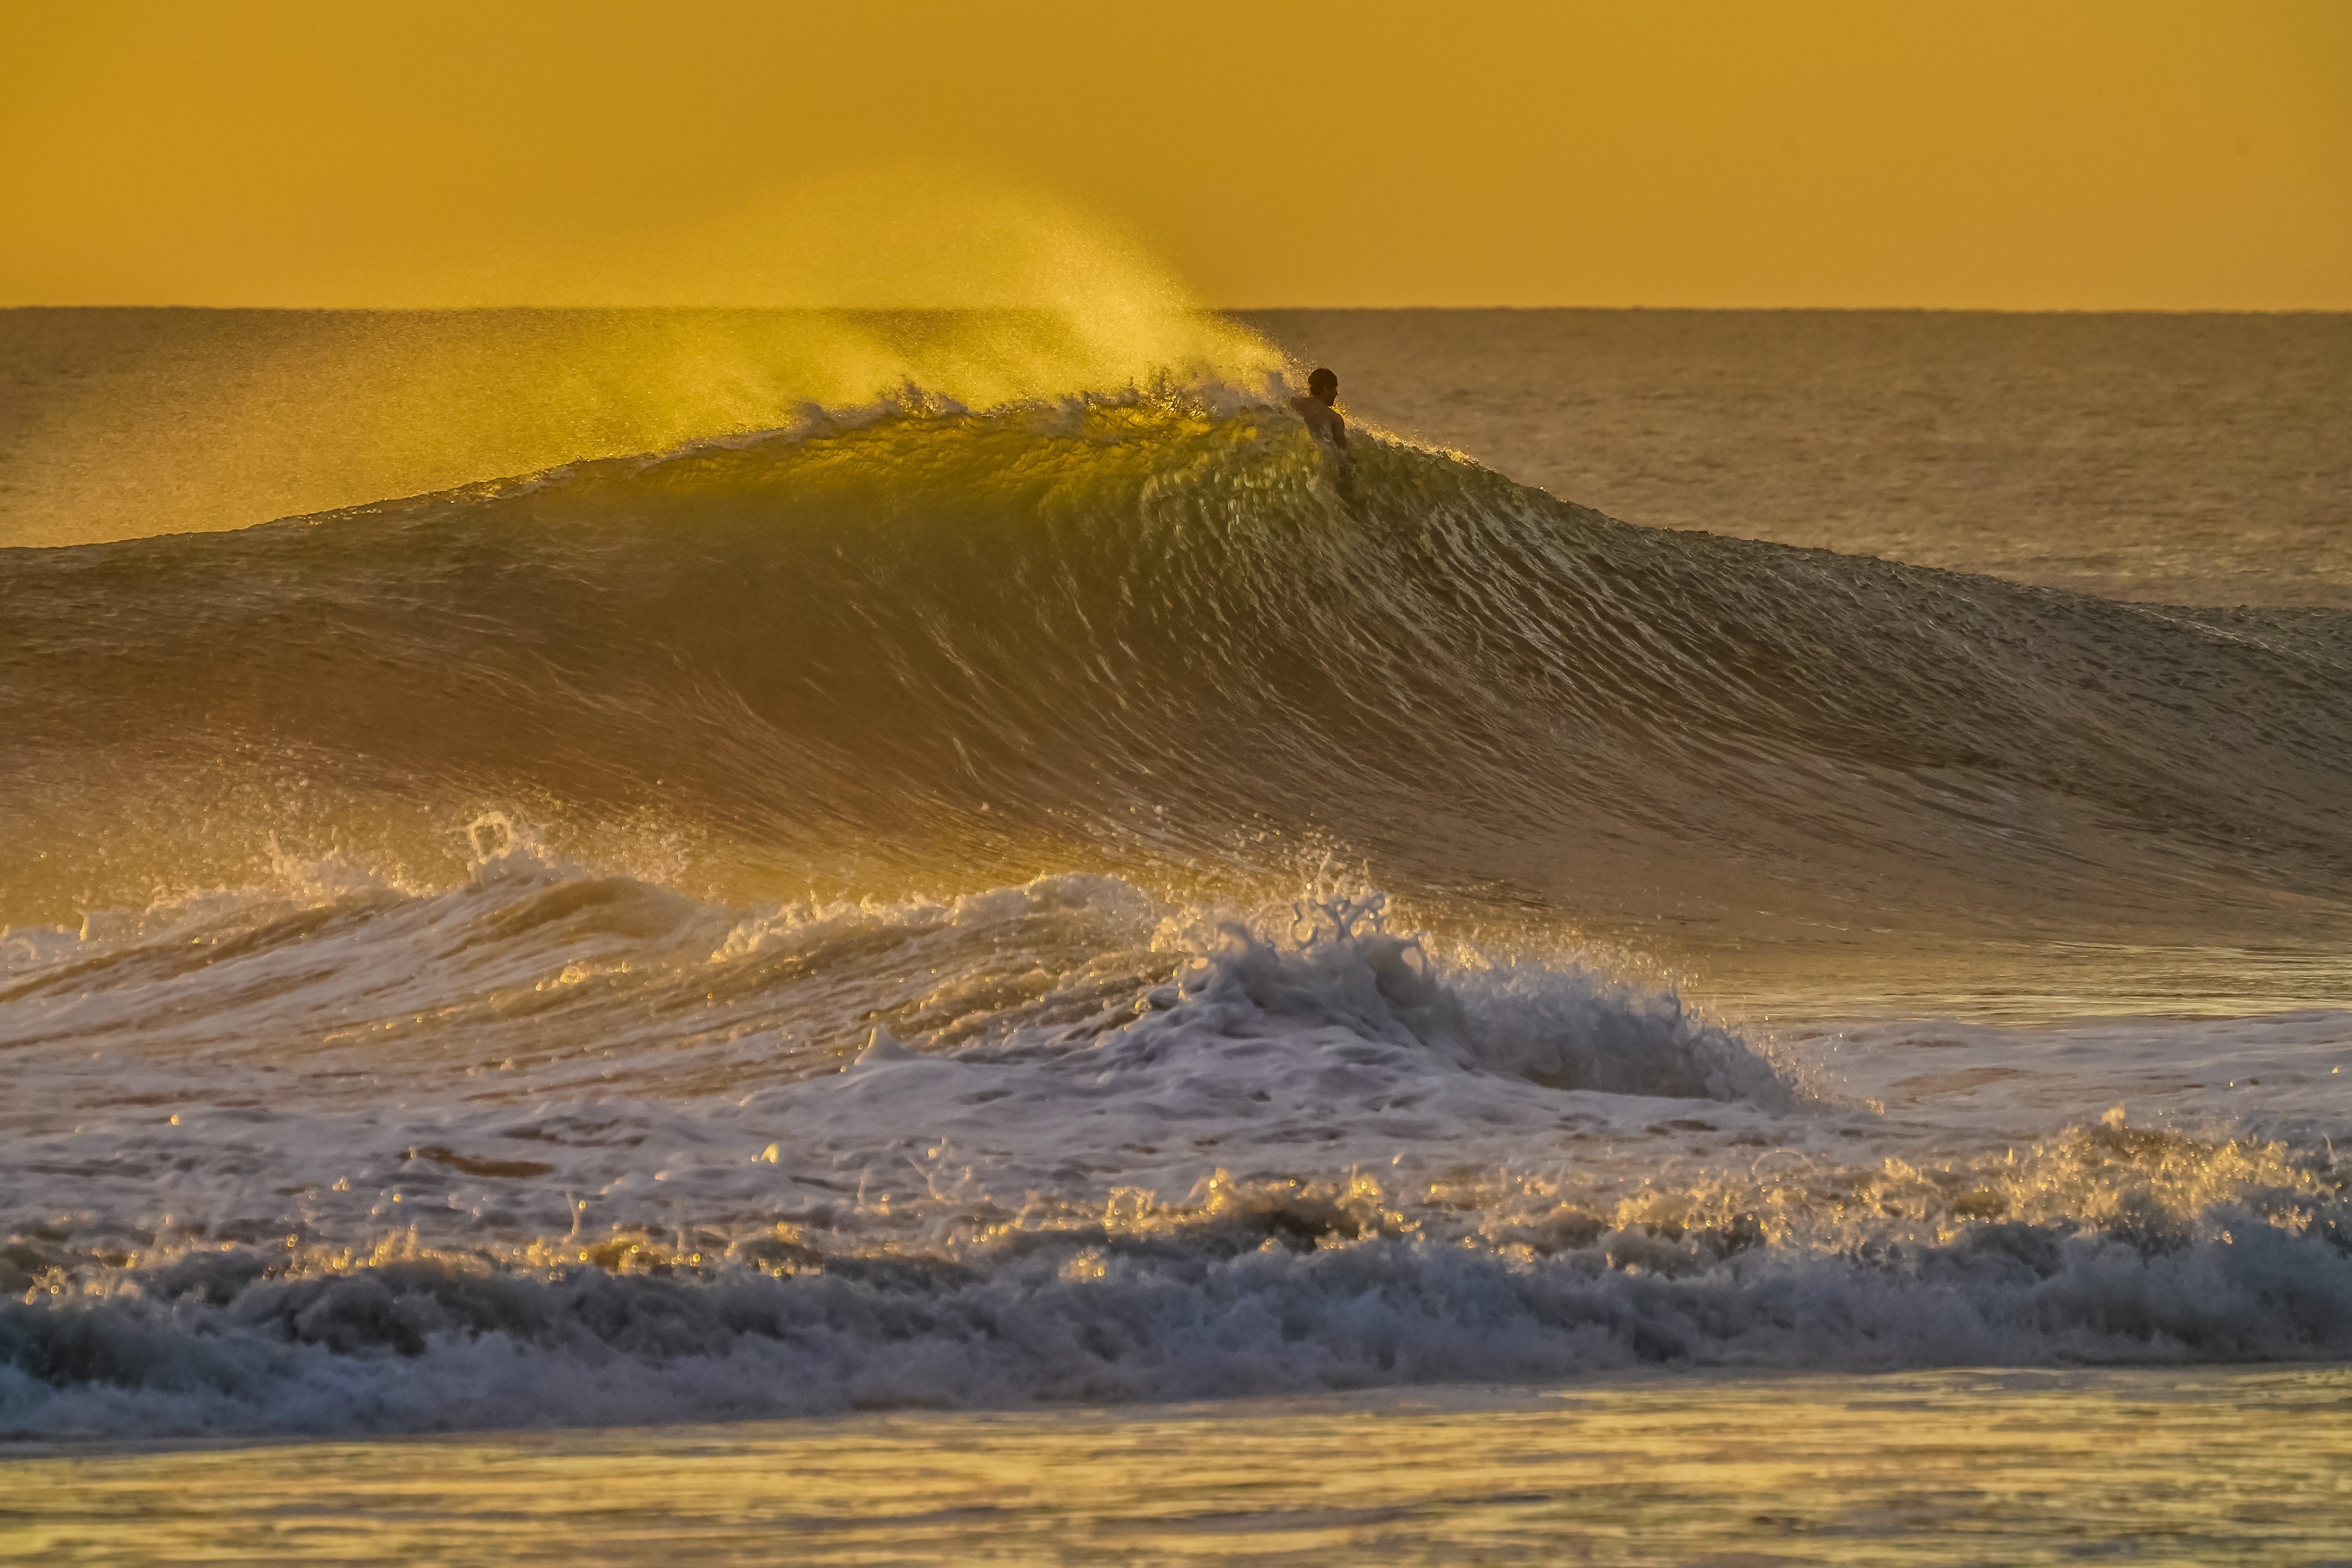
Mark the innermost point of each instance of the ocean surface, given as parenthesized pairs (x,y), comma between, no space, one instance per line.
(2196,1466)
(728,867)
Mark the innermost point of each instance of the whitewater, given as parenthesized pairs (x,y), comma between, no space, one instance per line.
(1092,900)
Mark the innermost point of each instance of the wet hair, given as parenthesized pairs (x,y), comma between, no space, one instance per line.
(1322,379)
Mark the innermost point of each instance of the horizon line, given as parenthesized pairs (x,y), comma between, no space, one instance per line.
(1247,309)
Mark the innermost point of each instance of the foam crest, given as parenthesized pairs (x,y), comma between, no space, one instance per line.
(560,1147)
(228,1343)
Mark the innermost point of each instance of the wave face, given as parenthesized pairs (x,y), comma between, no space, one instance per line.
(882,913)
(941,650)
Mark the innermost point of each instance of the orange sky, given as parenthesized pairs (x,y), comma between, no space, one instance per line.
(2061,153)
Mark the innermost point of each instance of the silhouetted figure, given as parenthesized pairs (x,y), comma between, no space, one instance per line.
(1315,407)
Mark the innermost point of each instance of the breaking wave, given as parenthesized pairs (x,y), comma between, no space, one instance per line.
(885,913)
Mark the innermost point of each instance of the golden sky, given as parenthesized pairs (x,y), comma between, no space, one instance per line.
(2053,154)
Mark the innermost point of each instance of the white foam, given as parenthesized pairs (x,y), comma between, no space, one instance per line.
(554,1146)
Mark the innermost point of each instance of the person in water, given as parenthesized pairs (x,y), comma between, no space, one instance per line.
(1314,406)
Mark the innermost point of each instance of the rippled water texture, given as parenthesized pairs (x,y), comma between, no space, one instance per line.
(1952,1468)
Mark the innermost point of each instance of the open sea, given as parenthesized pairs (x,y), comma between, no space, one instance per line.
(910,938)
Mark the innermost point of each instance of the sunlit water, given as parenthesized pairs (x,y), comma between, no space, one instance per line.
(2206,1467)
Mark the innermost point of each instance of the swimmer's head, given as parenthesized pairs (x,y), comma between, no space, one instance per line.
(1324,384)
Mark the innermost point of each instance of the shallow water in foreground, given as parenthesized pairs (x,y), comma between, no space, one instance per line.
(2175,1465)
